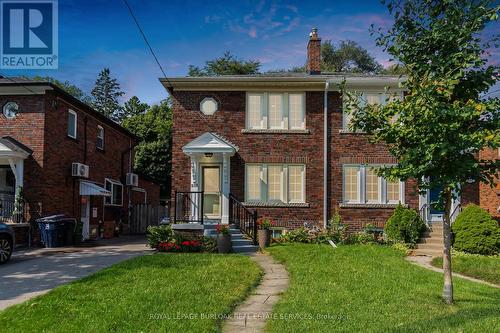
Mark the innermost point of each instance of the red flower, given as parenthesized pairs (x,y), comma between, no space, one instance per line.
(186,243)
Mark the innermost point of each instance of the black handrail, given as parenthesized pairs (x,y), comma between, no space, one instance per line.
(188,207)
(13,212)
(243,217)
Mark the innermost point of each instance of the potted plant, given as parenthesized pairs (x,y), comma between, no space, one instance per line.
(223,238)
(264,232)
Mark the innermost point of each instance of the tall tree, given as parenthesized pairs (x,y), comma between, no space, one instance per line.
(153,155)
(67,86)
(349,56)
(105,96)
(134,107)
(226,65)
(438,129)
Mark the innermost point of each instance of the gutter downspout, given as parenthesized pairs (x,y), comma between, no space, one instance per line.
(325,155)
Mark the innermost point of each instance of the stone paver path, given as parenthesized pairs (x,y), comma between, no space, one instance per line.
(251,316)
(425,261)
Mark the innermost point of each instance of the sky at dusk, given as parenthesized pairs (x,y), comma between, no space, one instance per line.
(94,34)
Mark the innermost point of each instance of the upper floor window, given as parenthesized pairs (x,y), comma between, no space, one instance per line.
(116,189)
(283,183)
(100,137)
(275,111)
(362,185)
(373,97)
(72,124)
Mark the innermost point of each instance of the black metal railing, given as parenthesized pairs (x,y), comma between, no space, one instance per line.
(188,207)
(242,217)
(10,212)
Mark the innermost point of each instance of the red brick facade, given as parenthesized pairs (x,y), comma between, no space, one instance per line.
(300,147)
(42,125)
(489,197)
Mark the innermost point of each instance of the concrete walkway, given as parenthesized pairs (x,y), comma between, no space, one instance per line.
(251,316)
(425,262)
(34,272)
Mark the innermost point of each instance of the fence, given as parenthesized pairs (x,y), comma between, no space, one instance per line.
(144,215)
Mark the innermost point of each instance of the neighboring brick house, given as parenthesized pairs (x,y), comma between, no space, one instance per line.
(488,197)
(44,131)
(261,139)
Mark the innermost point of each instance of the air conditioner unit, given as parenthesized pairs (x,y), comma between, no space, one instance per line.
(132,179)
(79,170)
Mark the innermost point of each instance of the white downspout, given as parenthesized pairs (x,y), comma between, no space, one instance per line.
(325,155)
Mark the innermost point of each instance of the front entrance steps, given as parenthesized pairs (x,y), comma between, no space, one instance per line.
(240,242)
(431,244)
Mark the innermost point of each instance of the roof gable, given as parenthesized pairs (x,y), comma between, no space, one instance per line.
(210,143)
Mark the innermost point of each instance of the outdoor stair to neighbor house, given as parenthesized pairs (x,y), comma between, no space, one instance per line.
(431,244)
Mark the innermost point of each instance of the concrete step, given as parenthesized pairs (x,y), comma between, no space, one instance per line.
(433,234)
(427,246)
(431,240)
(245,248)
(432,253)
(241,241)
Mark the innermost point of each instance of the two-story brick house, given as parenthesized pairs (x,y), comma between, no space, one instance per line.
(280,144)
(67,158)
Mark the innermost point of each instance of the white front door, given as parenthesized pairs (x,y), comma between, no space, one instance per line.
(211,185)
(85,217)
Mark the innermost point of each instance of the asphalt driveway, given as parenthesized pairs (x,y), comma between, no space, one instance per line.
(35,273)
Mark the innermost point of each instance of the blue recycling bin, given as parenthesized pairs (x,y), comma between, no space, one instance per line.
(56,231)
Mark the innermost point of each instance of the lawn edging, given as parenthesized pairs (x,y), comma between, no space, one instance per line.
(482,268)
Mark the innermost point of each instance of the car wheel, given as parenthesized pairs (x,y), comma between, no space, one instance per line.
(5,249)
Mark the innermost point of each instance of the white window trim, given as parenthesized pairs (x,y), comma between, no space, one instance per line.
(113,182)
(75,123)
(99,128)
(383,100)
(285,111)
(362,187)
(284,181)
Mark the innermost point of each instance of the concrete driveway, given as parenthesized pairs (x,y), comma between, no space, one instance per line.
(33,273)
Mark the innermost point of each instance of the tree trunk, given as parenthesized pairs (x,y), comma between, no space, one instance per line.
(448,283)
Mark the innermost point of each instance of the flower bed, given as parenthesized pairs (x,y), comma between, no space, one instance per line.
(185,246)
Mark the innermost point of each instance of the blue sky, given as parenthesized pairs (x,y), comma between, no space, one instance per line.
(94,34)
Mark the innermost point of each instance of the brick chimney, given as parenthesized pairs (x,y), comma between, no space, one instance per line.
(314,53)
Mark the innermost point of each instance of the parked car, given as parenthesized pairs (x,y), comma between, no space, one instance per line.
(6,242)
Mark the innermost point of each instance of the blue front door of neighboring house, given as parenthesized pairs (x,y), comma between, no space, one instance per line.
(434,198)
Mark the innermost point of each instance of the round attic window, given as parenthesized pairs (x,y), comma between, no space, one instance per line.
(208,106)
(10,110)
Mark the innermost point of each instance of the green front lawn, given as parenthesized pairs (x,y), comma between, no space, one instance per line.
(374,289)
(480,267)
(156,293)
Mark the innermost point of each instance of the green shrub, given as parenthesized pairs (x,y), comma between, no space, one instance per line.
(157,234)
(405,225)
(365,238)
(208,244)
(475,231)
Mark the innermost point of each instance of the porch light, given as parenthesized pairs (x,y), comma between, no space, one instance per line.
(209,154)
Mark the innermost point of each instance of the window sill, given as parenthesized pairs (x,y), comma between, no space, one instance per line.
(72,138)
(275,131)
(276,204)
(346,131)
(370,205)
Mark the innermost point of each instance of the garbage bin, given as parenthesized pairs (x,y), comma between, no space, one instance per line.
(56,230)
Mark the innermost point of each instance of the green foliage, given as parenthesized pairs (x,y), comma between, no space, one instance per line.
(66,86)
(153,155)
(157,234)
(486,268)
(476,232)
(105,96)
(208,244)
(226,65)
(134,107)
(348,57)
(405,225)
(442,123)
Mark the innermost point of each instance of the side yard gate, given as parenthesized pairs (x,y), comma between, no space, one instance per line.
(144,215)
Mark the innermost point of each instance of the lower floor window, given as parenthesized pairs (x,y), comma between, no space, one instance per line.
(275,183)
(116,189)
(362,185)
